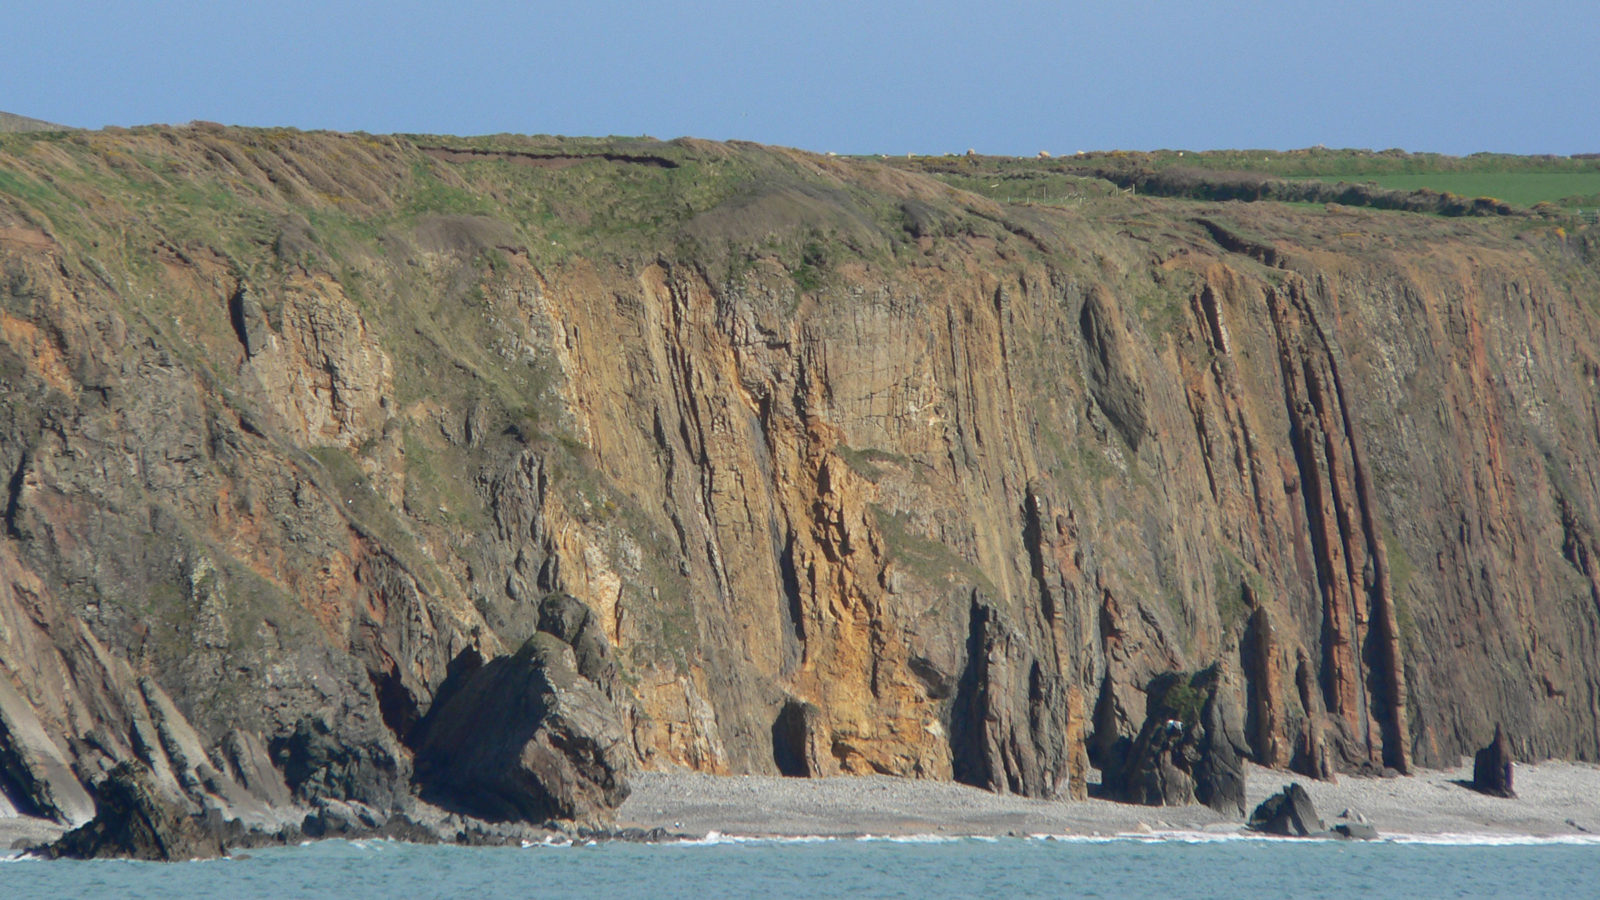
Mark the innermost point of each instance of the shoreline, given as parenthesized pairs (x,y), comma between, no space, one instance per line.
(1556,801)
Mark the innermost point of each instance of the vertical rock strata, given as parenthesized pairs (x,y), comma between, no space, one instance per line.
(846,473)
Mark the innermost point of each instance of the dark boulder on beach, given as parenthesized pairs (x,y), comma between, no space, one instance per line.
(1491,767)
(525,737)
(134,821)
(1289,813)
(1191,748)
(1356,831)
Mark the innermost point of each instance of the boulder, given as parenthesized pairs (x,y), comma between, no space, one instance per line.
(338,818)
(571,620)
(1190,748)
(1288,813)
(249,321)
(1491,767)
(525,737)
(1356,831)
(134,821)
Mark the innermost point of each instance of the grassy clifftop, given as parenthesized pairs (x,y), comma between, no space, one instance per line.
(1420,182)
(11,122)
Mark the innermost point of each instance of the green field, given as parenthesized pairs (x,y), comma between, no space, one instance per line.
(1520,188)
(1480,184)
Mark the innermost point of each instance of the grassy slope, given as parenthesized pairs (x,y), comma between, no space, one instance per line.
(1571,189)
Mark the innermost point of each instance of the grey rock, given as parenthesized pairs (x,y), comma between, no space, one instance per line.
(338,818)
(1014,728)
(135,821)
(1358,831)
(1289,813)
(249,321)
(1491,767)
(319,762)
(1114,376)
(35,768)
(566,617)
(250,765)
(525,737)
(1190,748)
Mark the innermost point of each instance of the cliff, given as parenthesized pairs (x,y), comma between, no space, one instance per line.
(853,471)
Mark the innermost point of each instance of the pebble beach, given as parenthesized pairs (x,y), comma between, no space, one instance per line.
(1554,799)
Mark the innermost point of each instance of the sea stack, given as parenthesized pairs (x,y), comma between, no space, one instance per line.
(1491,767)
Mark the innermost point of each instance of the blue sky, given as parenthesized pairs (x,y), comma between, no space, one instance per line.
(892,77)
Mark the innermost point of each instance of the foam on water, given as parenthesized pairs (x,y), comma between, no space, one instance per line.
(1494,840)
(1172,863)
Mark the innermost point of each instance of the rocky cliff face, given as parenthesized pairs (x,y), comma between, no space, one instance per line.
(852,471)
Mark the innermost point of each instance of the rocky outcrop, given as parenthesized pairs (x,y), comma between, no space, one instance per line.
(35,772)
(1190,748)
(566,617)
(525,737)
(1288,813)
(134,821)
(1491,767)
(1017,727)
(813,465)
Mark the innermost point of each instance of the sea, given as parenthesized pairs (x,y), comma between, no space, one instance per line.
(1166,866)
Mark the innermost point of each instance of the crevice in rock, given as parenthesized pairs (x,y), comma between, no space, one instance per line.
(793,604)
(1264,713)
(396,704)
(966,741)
(1234,243)
(1033,540)
(14,497)
(1389,701)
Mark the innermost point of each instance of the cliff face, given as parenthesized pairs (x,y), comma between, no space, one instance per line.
(854,472)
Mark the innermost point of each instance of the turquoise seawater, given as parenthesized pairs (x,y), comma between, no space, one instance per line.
(754,870)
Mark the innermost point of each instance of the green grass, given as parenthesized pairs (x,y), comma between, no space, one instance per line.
(1346,164)
(1231,576)
(1519,180)
(929,560)
(1520,188)
(864,461)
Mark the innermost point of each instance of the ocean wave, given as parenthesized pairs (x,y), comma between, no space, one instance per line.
(1155,837)
(1165,836)
(1465,839)
(1448,839)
